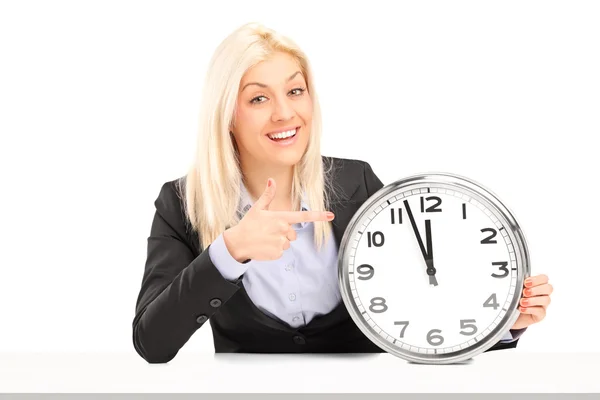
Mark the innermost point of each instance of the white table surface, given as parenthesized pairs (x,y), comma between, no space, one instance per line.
(499,371)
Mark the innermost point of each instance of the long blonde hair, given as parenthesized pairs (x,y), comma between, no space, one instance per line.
(212,185)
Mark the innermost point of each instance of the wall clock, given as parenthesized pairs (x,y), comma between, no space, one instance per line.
(431,268)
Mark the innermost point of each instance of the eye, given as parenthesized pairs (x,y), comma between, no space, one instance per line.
(254,100)
(301,91)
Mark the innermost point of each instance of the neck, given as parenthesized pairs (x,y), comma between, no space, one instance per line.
(255,179)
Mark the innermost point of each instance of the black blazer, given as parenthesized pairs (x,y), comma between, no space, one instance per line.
(182,289)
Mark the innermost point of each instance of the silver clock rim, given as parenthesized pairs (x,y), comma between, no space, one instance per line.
(483,195)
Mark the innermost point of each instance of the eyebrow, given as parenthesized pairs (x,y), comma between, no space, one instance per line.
(262,85)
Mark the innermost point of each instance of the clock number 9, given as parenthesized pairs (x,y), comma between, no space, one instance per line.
(367,270)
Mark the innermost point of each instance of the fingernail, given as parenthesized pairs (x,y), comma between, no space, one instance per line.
(269,183)
(528,283)
(528,292)
(330,215)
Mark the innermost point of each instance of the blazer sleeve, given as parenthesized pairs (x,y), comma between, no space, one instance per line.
(179,291)
(501,345)
(228,266)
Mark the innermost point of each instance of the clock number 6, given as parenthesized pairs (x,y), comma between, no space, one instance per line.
(431,338)
(464,324)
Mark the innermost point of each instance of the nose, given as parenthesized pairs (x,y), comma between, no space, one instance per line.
(282,109)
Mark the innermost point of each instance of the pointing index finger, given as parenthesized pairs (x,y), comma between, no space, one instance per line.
(292,217)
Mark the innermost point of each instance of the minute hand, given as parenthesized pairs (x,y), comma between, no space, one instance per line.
(427,254)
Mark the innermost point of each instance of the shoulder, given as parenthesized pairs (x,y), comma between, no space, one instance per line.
(171,206)
(347,177)
(349,165)
(171,195)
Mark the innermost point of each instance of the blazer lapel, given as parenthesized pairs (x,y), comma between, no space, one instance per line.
(344,209)
(345,206)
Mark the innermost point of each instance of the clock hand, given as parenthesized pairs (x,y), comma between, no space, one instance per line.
(415,230)
(426,257)
(429,259)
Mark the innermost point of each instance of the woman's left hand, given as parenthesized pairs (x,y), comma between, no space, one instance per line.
(534,302)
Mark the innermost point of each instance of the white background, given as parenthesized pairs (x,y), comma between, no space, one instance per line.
(99,103)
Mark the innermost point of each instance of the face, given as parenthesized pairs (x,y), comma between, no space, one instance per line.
(273,98)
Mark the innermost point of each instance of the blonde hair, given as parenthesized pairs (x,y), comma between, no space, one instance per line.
(212,185)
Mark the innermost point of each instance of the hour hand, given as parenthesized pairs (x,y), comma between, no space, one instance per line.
(429,258)
(427,253)
(431,270)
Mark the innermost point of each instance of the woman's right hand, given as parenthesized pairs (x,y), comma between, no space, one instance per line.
(263,234)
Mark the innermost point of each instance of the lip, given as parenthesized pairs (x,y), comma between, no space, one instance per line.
(291,141)
(289,128)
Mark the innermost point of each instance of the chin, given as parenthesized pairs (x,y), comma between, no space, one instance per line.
(287,160)
(286,156)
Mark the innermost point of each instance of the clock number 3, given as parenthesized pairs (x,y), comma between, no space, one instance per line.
(503,267)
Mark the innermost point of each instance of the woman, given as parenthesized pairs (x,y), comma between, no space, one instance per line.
(244,240)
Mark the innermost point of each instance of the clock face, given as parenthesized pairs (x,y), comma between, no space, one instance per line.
(442,295)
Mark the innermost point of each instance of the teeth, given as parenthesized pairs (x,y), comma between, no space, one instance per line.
(282,135)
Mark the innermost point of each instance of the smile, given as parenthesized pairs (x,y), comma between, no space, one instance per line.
(282,135)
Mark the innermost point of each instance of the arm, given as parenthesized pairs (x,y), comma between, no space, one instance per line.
(508,344)
(512,335)
(228,266)
(177,288)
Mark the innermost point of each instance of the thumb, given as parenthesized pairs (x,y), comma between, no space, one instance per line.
(268,195)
